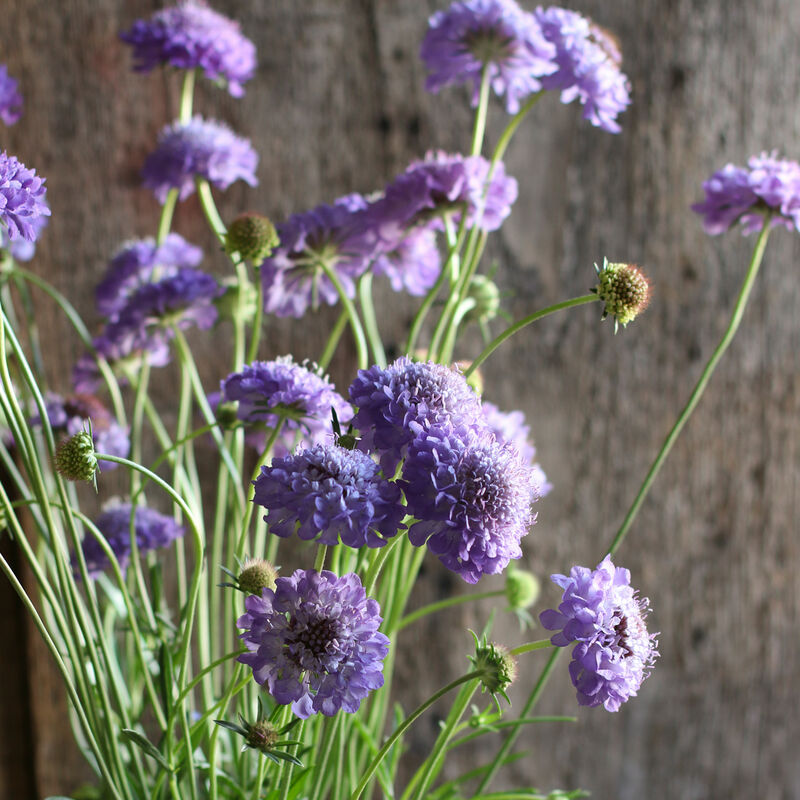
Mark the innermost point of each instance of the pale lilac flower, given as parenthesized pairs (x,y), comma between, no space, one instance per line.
(588,62)
(604,617)
(10,98)
(151,529)
(338,237)
(398,403)
(190,36)
(493,34)
(22,200)
(413,264)
(198,149)
(328,493)
(472,497)
(742,194)
(314,642)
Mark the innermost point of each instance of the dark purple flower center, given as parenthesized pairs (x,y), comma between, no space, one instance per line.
(315,638)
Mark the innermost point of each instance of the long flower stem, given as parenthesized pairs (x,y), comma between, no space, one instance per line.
(697,393)
(403,726)
(370,319)
(448,602)
(362,354)
(481,114)
(518,326)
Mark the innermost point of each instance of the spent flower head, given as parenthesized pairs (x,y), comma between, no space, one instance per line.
(190,35)
(497,666)
(624,290)
(602,615)
(75,457)
(251,235)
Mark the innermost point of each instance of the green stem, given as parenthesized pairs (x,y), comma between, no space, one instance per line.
(518,326)
(333,339)
(505,137)
(352,315)
(370,319)
(448,602)
(482,112)
(541,644)
(697,393)
(404,726)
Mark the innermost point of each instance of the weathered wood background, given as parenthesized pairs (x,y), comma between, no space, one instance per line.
(338,106)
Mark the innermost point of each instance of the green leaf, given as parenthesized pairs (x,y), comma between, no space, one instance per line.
(147,747)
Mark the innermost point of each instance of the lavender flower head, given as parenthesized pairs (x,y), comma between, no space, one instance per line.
(334,237)
(742,194)
(445,183)
(198,149)
(314,642)
(509,427)
(22,200)
(22,249)
(327,493)
(191,36)
(413,264)
(588,62)
(495,34)
(398,403)
(152,530)
(139,262)
(472,496)
(67,416)
(10,98)
(269,390)
(605,618)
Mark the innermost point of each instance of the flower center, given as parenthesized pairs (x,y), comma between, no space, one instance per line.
(313,639)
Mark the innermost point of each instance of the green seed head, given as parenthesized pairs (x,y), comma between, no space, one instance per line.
(257,574)
(486,296)
(75,458)
(522,589)
(497,667)
(624,289)
(253,236)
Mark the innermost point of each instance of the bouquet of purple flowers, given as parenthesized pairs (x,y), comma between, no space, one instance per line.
(195,666)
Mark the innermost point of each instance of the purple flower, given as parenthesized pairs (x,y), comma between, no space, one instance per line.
(328,493)
(198,149)
(509,427)
(22,199)
(10,98)
(139,262)
(67,416)
(413,264)
(739,194)
(268,390)
(152,531)
(472,496)
(398,403)
(314,642)
(496,34)
(445,183)
(22,249)
(605,618)
(190,36)
(338,237)
(588,62)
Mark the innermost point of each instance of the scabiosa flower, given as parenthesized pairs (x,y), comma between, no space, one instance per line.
(400,402)
(445,183)
(152,530)
(337,237)
(472,496)
(738,194)
(314,642)
(67,416)
(22,199)
(588,62)
(413,264)
(624,290)
(510,427)
(191,36)
(328,493)
(142,261)
(198,149)
(10,98)
(22,249)
(495,34)
(268,390)
(605,618)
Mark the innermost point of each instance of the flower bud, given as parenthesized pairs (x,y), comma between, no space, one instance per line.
(261,735)
(257,574)
(486,296)
(497,666)
(75,458)
(624,289)
(522,589)
(253,236)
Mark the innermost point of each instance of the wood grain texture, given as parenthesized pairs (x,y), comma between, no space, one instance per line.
(338,106)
